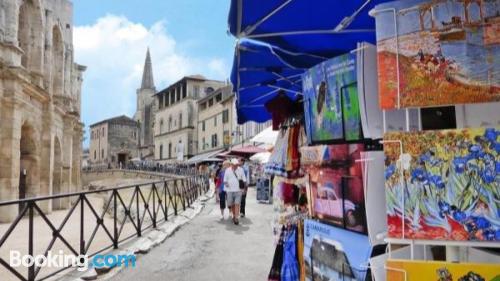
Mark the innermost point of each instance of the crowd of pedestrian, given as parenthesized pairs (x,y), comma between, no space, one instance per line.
(231,183)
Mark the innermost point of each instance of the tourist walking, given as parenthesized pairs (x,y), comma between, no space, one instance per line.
(234,182)
(245,169)
(221,193)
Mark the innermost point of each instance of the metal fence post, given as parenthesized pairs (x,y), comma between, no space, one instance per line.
(165,199)
(139,232)
(183,196)
(154,205)
(31,269)
(186,188)
(82,219)
(115,220)
(175,198)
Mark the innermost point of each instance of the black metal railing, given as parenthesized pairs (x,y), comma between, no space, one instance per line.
(157,201)
(175,169)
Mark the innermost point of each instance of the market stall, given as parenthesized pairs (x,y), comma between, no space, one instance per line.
(362,188)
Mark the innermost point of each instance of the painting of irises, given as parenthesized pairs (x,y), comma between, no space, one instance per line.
(443,185)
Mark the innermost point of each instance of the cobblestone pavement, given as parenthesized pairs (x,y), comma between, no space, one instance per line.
(209,248)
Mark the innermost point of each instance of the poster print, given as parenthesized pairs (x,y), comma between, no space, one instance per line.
(321,107)
(331,100)
(336,185)
(446,183)
(334,254)
(448,52)
(351,114)
(341,79)
(442,271)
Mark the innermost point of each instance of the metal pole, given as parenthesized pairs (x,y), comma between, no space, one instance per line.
(31,269)
(115,221)
(82,219)
(137,212)
(154,205)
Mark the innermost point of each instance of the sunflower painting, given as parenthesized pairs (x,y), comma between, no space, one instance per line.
(443,185)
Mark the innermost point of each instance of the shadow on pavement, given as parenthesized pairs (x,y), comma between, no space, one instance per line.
(237,229)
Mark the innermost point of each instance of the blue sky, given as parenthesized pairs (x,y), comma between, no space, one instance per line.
(111,36)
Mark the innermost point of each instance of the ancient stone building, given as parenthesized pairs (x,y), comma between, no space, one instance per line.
(40,87)
(213,120)
(113,142)
(146,110)
(176,121)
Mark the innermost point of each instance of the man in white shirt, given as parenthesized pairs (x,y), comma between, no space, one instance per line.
(232,176)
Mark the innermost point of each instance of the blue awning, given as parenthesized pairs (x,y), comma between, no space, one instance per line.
(260,71)
(322,27)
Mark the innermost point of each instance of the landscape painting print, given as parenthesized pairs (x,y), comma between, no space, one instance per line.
(408,270)
(448,52)
(443,185)
(323,114)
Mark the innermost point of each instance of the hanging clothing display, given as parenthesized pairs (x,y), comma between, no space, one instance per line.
(285,159)
(281,108)
(300,250)
(290,268)
(275,272)
(275,166)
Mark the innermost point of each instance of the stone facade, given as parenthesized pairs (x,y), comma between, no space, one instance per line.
(176,133)
(40,94)
(113,142)
(146,110)
(235,134)
(213,121)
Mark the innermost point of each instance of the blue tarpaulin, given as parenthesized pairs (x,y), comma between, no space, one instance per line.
(260,71)
(317,29)
(322,27)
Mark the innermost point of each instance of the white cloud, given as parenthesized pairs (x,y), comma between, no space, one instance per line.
(114,49)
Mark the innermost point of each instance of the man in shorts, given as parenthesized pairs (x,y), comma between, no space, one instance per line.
(232,188)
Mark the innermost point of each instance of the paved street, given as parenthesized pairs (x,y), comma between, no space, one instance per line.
(208,248)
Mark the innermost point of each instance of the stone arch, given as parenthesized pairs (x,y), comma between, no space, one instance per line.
(57,174)
(57,71)
(28,164)
(30,34)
